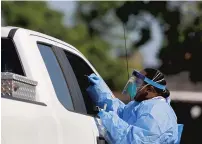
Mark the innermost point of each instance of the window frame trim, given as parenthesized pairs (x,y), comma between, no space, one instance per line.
(71,80)
(51,47)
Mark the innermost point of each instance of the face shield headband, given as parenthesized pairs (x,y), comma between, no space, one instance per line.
(136,81)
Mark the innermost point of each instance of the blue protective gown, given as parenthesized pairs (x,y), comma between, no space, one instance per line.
(151,121)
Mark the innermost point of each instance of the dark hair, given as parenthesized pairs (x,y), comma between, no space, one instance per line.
(158,77)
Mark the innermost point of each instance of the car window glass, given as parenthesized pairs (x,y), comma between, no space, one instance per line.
(56,76)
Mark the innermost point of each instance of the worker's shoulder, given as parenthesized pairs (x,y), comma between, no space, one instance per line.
(154,106)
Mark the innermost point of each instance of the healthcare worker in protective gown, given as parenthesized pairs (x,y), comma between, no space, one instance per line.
(147,119)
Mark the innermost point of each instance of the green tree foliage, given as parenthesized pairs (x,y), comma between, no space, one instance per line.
(181,51)
(39,17)
(35,16)
(183,41)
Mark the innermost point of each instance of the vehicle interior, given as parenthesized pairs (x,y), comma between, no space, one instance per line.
(81,70)
(9,57)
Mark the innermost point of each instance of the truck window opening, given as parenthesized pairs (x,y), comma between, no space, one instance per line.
(10,61)
(81,69)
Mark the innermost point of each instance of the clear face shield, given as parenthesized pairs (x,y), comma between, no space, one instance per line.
(136,82)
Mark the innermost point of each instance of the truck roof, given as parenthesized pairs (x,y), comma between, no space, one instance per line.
(31,32)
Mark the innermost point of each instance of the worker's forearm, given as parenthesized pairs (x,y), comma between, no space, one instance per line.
(113,104)
(122,132)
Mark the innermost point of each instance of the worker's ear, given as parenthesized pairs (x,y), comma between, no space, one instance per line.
(150,89)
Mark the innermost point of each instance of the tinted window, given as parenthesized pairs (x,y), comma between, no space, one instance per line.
(56,76)
(81,69)
(10,61)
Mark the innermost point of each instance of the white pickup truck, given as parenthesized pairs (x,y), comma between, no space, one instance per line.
(62,112)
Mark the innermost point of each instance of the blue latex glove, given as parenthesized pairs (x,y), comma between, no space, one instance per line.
(102,113)
(98,90)
(101,94)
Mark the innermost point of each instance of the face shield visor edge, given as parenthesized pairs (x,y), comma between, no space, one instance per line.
(136,81)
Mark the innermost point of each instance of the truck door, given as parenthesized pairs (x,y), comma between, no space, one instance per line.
(75,127)
(81,69)
(23,121)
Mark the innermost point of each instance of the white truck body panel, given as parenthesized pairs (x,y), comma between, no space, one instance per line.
(30,124)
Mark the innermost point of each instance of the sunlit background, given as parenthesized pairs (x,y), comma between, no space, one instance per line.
(162,35)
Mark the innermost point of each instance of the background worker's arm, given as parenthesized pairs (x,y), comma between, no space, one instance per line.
(101,94)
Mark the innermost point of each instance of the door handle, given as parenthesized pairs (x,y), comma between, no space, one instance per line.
(101,140)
